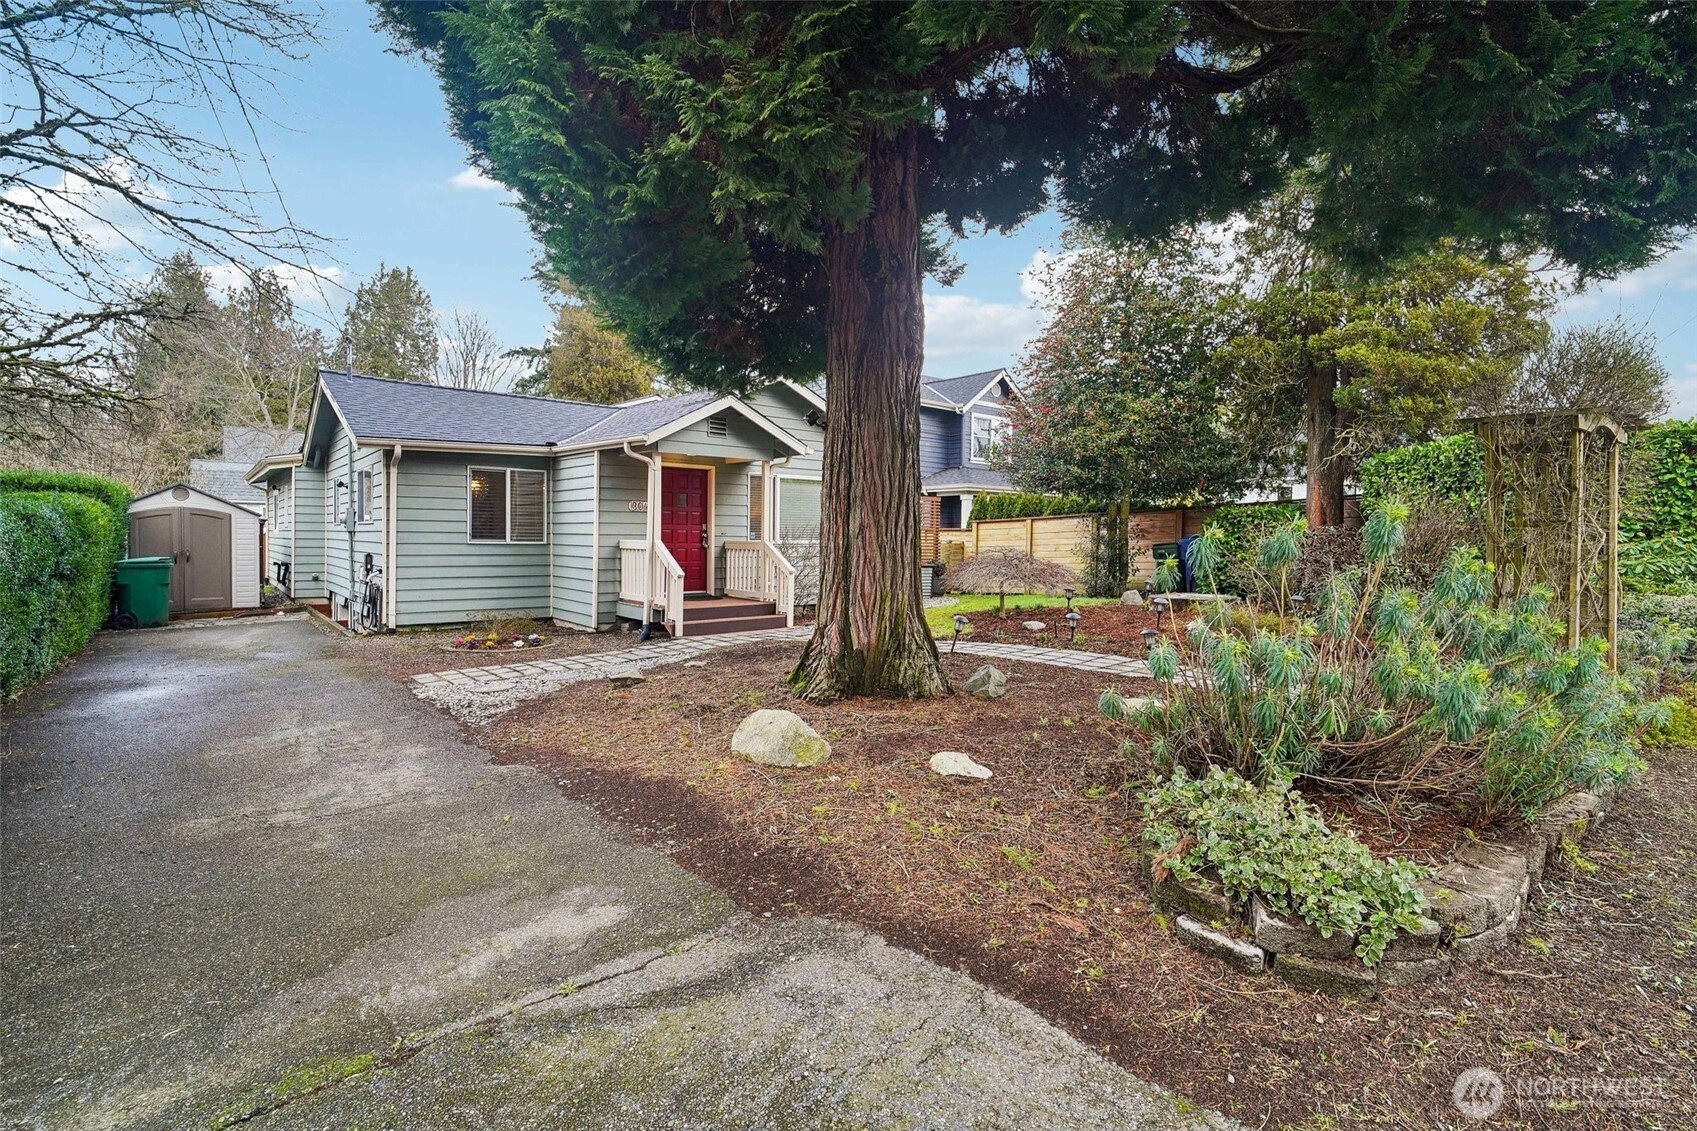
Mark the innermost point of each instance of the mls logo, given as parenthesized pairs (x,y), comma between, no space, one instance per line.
(1478,1093)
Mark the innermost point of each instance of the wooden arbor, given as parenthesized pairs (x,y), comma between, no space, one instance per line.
(1552,512)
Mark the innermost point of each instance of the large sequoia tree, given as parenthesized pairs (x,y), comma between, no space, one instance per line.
(744,188)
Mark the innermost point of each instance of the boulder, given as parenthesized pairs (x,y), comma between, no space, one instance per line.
(1034,626)
(954,764)
(779,738)
(625,677)
(1131,597)
(988,682)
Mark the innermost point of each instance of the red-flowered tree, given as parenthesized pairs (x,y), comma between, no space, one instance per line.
(742,188)
(1120,400)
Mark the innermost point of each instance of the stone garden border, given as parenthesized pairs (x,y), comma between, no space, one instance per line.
(1473,904)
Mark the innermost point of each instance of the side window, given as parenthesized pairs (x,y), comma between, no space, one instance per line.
(798,510)
(363,508)
(756,506)
(488,505)
(508,505)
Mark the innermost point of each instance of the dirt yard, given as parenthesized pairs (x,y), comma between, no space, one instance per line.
(1026,882)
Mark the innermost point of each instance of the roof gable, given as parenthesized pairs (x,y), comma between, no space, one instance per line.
(959,393)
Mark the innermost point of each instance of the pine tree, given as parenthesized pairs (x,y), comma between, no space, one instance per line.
(743,188)
(391,326)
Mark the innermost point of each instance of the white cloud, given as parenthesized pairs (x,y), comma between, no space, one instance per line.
(1662,281)
(75,209)
(300,280)
(469,178)
(958,325)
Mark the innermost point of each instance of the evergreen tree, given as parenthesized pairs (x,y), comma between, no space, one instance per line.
(585,361)
(391,326)
(743,188)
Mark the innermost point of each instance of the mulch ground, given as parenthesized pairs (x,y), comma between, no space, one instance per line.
(1025,882)
(411,653)
(1114,629)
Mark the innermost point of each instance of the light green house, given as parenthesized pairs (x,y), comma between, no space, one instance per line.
(420,504)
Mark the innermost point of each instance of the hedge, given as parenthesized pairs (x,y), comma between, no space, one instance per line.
(1242,527)
(1018,505)
(1452,468)
(115,495)
(57,552)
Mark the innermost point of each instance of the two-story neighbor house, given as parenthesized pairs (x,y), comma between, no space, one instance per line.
(440,505)
(960,419)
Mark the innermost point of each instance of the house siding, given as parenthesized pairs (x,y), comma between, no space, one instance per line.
(344,556)
(572,533)
(623,481)
(939,439)
(444,576)
(280,531)
(307,569)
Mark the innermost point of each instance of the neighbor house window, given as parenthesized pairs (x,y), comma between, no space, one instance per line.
(362,499)
(987,432)
(508,505)
(797,509)
(756,506)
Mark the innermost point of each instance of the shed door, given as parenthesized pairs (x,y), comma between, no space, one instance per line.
(153,534)
(206,581)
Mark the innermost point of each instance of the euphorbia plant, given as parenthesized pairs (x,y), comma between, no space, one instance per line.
(1367,684)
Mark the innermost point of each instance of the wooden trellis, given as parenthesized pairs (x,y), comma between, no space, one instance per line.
(1552,512)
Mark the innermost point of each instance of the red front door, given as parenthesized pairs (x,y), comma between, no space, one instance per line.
(683,521)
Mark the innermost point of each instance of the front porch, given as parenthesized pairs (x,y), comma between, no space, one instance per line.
(758,591)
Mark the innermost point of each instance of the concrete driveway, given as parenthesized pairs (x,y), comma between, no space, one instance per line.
(246,881)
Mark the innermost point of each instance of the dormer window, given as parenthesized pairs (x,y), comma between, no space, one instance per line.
(987,432)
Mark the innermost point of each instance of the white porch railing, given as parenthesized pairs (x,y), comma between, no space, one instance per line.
(655,579)
(758,572)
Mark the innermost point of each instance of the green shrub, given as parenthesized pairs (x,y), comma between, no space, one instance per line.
(1662,499)
(1240,527)
(1379,685)
(1661,630)
(115,495)
(1020,505)
(1451,468)
(1680,727)
(57,551)
(1270,843)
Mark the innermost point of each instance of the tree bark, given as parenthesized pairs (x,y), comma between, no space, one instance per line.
(870,637)
(1326,470)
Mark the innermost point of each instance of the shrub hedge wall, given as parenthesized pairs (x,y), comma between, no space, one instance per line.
(1020,505)
(1452,468)
(60,536)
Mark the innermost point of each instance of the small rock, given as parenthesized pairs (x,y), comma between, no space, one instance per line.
(1034,626)
(1245,956)
(952,763)
(695,663)
(988,682)
(625,677)
(1284,936)
(779,738)
(1131,597)
(1329,976)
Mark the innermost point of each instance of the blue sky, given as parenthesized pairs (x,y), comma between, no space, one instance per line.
(366,159)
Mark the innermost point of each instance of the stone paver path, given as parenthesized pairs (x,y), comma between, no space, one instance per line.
(558,673)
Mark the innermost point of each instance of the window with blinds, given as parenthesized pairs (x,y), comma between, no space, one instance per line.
(528,500)
(508,505)
(798,510)
(756,506)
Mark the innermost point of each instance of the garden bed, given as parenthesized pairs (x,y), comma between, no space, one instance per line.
(1107,627)
(1029,882)
(410,653)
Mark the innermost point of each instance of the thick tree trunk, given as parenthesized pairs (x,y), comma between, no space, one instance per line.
(871,637)
(1325,469)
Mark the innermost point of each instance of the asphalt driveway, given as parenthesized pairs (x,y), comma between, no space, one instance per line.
(247,881)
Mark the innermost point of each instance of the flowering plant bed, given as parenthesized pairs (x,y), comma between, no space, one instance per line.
(507,642)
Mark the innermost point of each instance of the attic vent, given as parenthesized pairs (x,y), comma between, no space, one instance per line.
(716,425)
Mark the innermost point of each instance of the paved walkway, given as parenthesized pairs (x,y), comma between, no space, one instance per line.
(641,657)
(242,879)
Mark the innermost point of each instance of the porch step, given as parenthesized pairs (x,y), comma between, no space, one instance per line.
(719,626)
(707,609)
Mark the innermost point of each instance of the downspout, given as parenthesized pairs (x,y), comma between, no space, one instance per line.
(391,536)
(653,465)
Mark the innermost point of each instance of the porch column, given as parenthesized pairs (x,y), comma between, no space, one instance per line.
(766,527)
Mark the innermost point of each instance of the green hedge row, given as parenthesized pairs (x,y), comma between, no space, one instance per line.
(57,552)
(115,495)
(1019,505)
(1452,468)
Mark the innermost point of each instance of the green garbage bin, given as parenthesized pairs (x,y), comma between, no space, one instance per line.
(143,592)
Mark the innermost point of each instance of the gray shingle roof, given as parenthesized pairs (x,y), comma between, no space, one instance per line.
(223,478)
(248,445)
(956,391)
(412,410)
(641,419)
(980,477)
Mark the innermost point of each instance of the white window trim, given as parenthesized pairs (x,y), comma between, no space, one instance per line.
(972,455)
(508,540)
(365,492)
(778,502)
